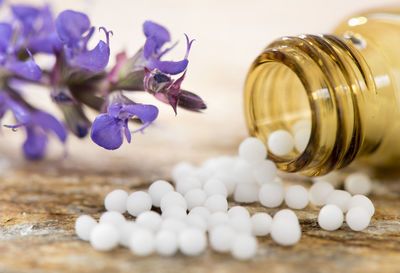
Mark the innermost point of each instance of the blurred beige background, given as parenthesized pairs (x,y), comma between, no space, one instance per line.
(229,35)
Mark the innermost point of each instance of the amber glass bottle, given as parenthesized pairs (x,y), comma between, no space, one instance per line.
(346,83)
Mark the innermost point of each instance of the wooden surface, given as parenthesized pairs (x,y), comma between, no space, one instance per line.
(38,207)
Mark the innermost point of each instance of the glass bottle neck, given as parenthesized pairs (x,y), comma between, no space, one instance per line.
(322,78)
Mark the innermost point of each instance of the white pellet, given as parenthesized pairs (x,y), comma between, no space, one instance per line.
(192,242)
(174,225)
(201,175)
(176,212)
(158,189)
(252,149)
(172,199)
(216,203)
(358,218)
(182,169)
(238,211)
(188,183)
(202,211)
(286,214)
(83,226)
(280,142)
(301,139)
(104,237)
(246,192)
(138,202)
(217,218)
(197,221)
(215,186)
(359,200)
(242,171)
(116,201)
(264,171)
(330,217)
(221,238)
(166,243)
(358,183)
(112,217)
(261,223)
(228,180)
(150,220)
(301,124)
(244,247)
(271,195)
(210,166)
(195,198)
(339,198)
(218,164)
(240,224)
(319,192)
(142,242)
(296,197)
(125,231)
(285,228)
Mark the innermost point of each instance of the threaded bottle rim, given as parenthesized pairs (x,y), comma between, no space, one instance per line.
(335,79)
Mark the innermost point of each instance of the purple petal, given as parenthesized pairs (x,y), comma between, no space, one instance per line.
(5,36)
(35,143)
(3,105)
(95,59)
(71,25)
(159,33)
(145,112)
(23,12)
(169,67)
(50,123)
(20,112)
(127,132)
(106,132)
(114,110)
(149,47)
(28,69)
(46,44)
(26,14)
(47,20)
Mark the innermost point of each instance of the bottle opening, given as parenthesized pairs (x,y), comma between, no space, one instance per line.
(309,90)
(280,114)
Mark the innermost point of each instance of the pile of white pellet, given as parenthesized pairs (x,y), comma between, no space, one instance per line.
(194,210)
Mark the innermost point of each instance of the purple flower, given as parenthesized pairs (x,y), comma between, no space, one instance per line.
(156,37)
(38,125)
(71,26)
(38,29)
(108,128)
(24,69)
(128,74)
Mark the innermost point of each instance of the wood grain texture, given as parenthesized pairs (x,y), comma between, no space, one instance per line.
(38,207)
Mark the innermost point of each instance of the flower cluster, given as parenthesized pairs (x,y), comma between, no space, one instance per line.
(79,78)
